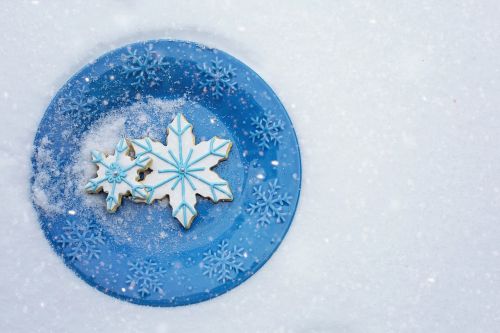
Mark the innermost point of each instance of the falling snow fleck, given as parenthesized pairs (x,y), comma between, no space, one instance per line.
(146,276)
(145,68)
(267,130)
(81,240)
(224,263)
(217,79)
(269,204)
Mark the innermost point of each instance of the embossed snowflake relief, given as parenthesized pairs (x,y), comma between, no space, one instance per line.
(180,170)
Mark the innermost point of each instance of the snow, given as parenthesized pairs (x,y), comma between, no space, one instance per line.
(396,110)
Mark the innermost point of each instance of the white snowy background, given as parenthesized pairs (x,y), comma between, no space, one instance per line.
(396,107)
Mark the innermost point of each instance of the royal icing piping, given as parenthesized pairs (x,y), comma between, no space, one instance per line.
(182,169)
(118,175)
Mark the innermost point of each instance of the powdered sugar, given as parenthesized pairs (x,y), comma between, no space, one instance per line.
(135,120)
(41,185)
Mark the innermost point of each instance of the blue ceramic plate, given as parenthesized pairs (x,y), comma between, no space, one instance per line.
(141,253)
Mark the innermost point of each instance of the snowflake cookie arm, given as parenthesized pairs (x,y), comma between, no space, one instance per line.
(206,155)
(155,184)
(117,175)
(167,161)
(199,179)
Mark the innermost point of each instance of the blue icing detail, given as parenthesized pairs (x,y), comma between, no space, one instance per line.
(115,174)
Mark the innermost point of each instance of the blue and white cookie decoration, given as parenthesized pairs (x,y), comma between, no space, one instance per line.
(118,175)
(179,170)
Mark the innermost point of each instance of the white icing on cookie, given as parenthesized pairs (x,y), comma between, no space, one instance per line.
(118,175)
(181,169)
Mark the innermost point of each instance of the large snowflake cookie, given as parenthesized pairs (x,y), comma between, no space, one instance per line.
(180,170)
(118,175)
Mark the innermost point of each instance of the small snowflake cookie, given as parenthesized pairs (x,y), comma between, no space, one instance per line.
(118,175)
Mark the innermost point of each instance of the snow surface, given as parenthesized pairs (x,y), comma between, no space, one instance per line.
(396,107)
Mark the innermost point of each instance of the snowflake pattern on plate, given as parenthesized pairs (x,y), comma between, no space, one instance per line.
(78,102)
(217,79)
(224,263)
(267,130)
(81,240)
(140,254)
(118,175)
(144,68)
(269,204)
(145,276)
(181,169)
